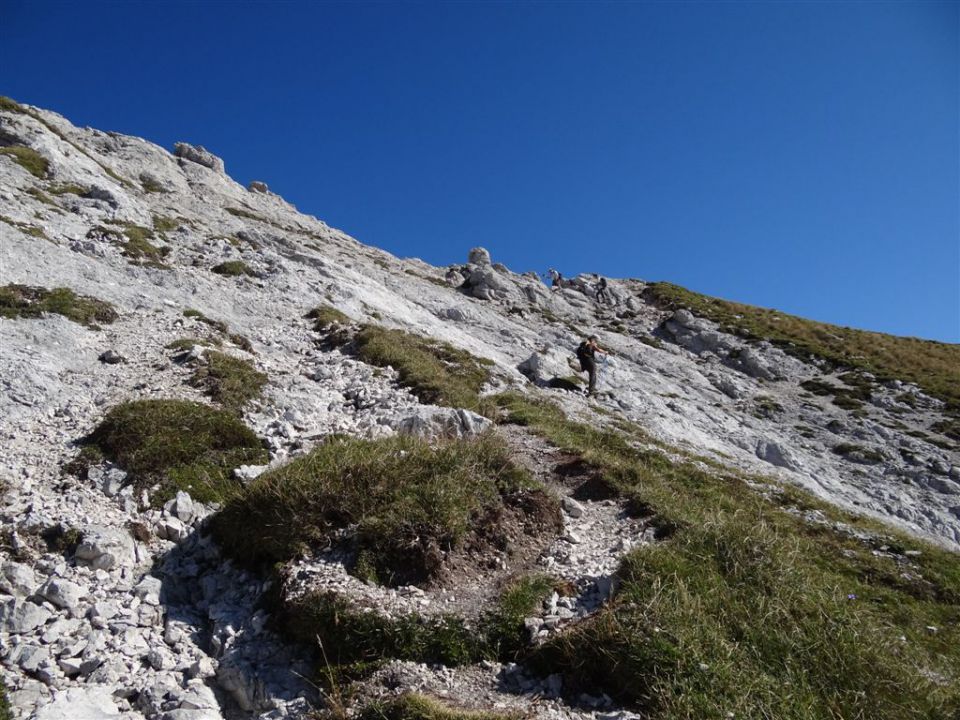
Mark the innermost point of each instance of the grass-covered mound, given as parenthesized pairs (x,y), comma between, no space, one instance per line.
(233,268)
(326,315)
(409,501)
(22,301)
(178,445)
(230,381)
(353,637)
(748,609)
(414,706)
(436,372)
(934,366)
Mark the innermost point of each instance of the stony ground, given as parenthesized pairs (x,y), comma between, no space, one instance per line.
(115,608)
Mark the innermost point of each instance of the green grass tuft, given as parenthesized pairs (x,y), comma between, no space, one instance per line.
(161,223)
(67,189)
(218,325)
(27,158)
(746,608)
(233,268)
(408,500)
(21,301)
(934,366)
(230,381)
(435,372)
(414,706)
(325,315)
(179,445)
(352,636)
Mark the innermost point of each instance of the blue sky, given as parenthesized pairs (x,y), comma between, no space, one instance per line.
(802,156)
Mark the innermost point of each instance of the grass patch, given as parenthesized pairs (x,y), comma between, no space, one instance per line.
(22,301)
(745,608)
(858,453)
(161,223)
(851,397)
(151,184)
(230,381)
(67,189)
(352,636)
(414,706)
(409,502)
(247,215)
(949,427)
(27,158)
(324,316)
(765,406)
(139,248)
(934,366)
(435,372)
(26,228)
(218,325)
(178,445)
(233,268)
(6,713)
(41,196)
(187,343)
(651,341)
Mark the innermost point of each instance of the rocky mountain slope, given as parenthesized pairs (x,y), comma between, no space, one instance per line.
(139,590)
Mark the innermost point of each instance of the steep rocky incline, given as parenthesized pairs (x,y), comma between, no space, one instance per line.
(112,605)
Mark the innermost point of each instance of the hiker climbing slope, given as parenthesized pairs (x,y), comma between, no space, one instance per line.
(587,355)
(601,293)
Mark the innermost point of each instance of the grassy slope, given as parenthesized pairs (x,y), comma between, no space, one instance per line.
(934,366)
(745,608)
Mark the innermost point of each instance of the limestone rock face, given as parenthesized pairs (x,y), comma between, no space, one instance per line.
(81,704)
(442,423)
(117,600)
(200,155)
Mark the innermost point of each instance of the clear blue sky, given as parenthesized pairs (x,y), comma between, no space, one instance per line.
(802,156)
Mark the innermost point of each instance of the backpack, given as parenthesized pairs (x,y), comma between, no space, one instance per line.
(584,353)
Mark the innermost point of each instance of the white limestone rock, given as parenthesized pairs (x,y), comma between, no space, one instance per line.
(104,548)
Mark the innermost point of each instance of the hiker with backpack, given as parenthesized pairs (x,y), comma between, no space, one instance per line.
(556,278)
(587,355)
(601,293)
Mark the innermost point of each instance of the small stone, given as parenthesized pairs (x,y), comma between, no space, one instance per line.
(158,660)
(111,357)
(572,507)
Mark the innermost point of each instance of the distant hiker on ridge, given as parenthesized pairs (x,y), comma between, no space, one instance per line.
(556,279)
(602,291)
(587,355)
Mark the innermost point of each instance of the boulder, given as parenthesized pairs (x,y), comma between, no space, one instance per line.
(775,454)
(17,579)
(20,616)
(103,548)
(549,363)
(80,703)
(433,422)
(479,256)
(62,593)
(181,507)
(198,154)
(256,186)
